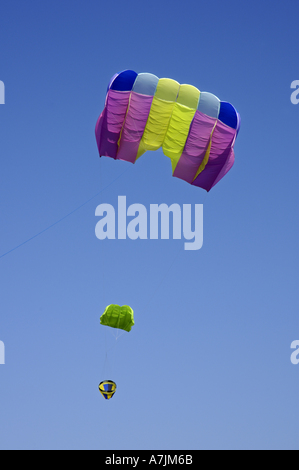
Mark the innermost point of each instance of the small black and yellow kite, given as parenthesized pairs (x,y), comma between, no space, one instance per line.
(107,388)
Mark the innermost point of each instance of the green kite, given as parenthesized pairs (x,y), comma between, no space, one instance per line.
(118,317)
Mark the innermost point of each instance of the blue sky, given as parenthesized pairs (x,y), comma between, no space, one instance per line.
(207,364)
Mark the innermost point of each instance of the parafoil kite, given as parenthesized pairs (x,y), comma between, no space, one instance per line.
(107,388)
(195,129)
(118,317)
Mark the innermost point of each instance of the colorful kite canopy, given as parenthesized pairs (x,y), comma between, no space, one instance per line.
(118,317)
(107,389)
(195,129)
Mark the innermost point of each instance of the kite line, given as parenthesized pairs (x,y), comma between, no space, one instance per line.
(62,218)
